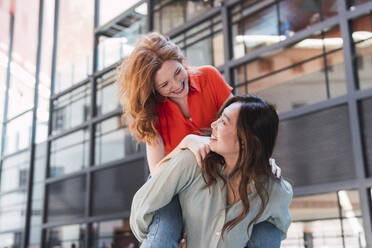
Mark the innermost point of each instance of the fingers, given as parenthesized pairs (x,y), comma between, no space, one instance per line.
(182,242)
(278,173)
(275,168)
(202,153)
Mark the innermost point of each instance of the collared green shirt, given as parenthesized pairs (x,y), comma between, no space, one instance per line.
(205,210)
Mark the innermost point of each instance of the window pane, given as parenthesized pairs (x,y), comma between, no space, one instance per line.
(66,199)
(169,15)
(362,37)
(66,236)
(114,234)
(110,9)
(18,133)
(353,223)
(365,112)
(4,50)
(13,240)
(322,153)
(107,93)
(203,44)
(317,233)
(294,84)
(297,69)
(317,222)
(12,210)
(116,43)
(45,71)
(14,176)
(69,153)
(113,142)
(23,67)
(40,162)
(117,187)
(75,42)
(254,29)
(71,109)
(354,3)
(323,206)
(14,173)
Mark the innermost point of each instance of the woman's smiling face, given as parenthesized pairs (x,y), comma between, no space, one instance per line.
(171,80)
(224,139)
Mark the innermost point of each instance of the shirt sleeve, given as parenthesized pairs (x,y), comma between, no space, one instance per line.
(221,89)
(175,176)
(280,201)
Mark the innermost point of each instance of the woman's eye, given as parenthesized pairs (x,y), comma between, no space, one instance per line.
(164,84)
(178,71)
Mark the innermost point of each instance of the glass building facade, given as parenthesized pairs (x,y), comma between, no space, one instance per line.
(68,166)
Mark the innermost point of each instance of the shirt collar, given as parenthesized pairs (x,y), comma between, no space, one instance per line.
(194,82)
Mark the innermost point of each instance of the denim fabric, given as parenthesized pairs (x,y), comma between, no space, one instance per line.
(166,227)
(264,235)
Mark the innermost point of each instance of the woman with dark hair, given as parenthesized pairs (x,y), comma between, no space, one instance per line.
(165,103)
(233,190)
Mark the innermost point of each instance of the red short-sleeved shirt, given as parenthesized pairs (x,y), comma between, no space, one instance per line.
(208,91)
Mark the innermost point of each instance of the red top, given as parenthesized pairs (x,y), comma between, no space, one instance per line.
(208,91)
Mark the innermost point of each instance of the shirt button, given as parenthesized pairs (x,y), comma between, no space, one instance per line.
(218,233)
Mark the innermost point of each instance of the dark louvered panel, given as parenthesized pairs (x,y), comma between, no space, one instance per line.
(316,148)
(365,108)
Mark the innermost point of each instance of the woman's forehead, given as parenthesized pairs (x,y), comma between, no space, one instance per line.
(232,111)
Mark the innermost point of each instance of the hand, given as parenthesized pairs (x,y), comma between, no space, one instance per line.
(182,242)
(275,168)
(199,145)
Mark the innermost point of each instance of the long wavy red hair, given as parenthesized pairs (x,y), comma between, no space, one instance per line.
(136,76)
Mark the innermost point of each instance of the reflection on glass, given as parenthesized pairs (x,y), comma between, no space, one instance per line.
(66,199)
(14,173)
(13,240)
(4,50)
(275,23)
(113,141)
(112,8)
(114,234)
(362,37)
(12,215)
(75,42)
(290,89)
(107,93)
(71,109)
(69,153)
(40,162)
(35,234)
(169,15)
(354,3)
(118,41)
(66,236)
(203,44)
(317,221)
(45,72)
(23,66)
(285,76)
(18,133)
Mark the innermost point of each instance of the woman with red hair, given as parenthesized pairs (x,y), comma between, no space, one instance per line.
(166,103)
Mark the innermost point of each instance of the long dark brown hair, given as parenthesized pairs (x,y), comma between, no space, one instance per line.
(257,129)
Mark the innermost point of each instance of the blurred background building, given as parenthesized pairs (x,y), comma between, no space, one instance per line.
(69,169)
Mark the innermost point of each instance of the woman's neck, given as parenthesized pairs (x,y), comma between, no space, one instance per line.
(230,162)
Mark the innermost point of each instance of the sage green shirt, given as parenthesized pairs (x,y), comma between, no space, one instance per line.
(204,210)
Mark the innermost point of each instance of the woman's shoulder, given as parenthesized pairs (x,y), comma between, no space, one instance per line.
(207,70)
(281,189)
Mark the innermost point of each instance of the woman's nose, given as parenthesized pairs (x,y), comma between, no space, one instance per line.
(213,124)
